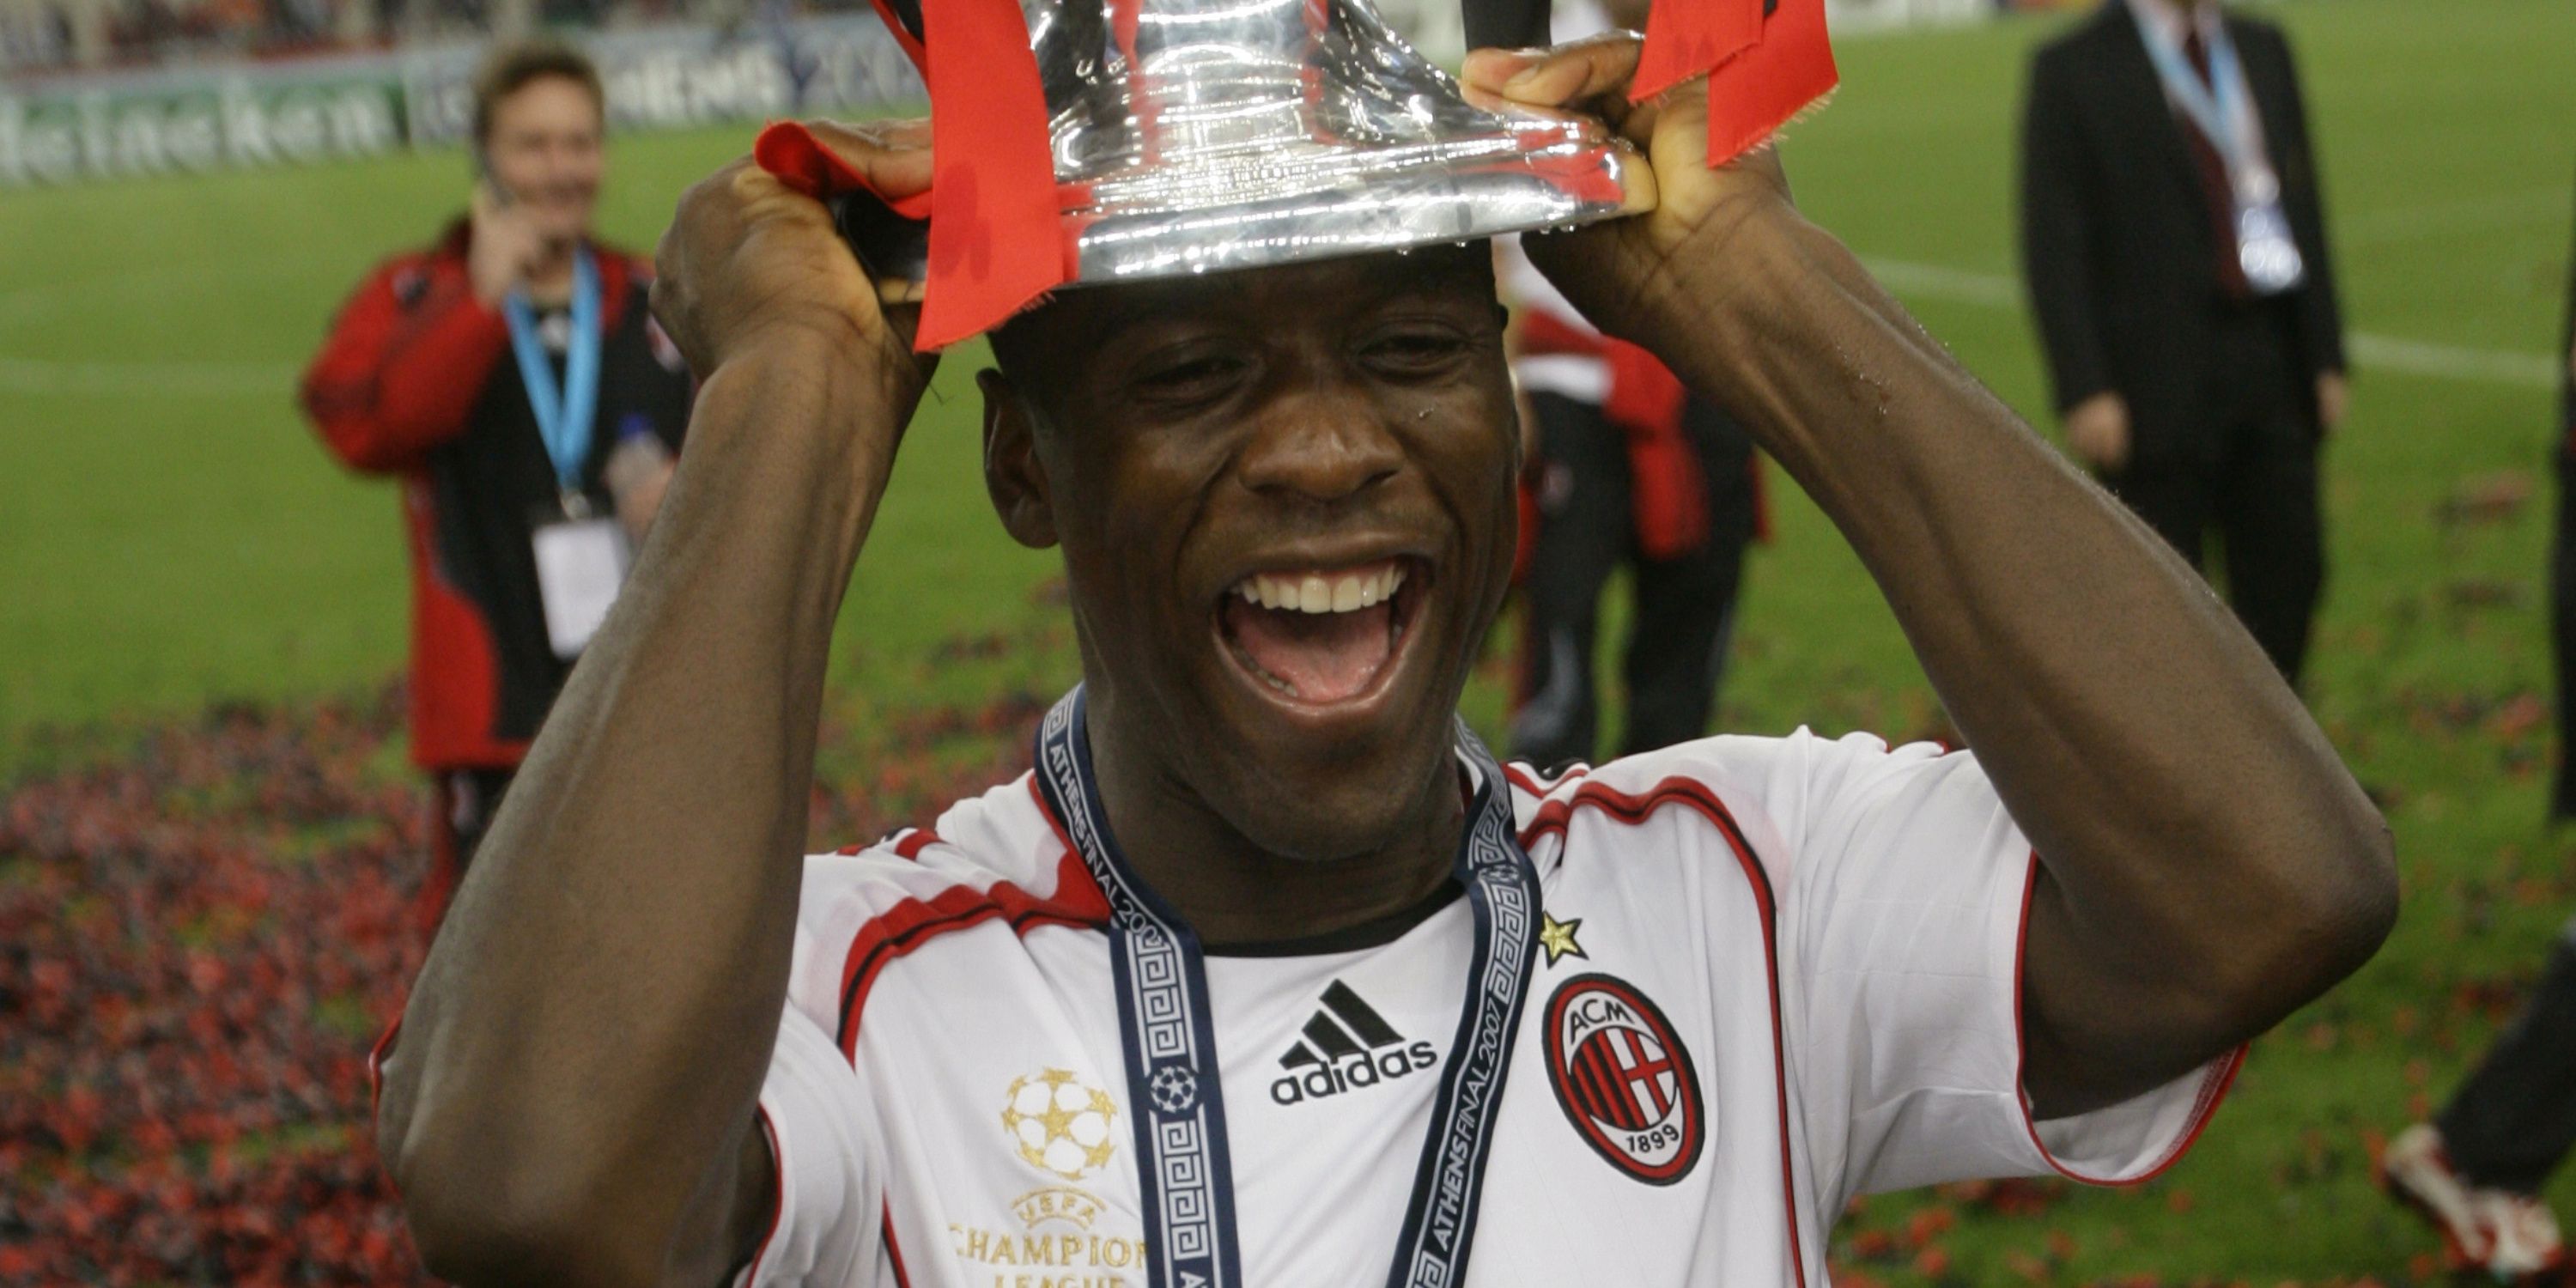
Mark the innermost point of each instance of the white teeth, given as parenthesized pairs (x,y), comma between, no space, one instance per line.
(1314,593)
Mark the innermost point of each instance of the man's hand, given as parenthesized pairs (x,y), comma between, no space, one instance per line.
(503,248)
(2334,398)
(748,259)
(2098,431)
(529,1113)
(1632,276)
(2206,865)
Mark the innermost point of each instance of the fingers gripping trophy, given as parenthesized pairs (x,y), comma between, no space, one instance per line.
(1268,971)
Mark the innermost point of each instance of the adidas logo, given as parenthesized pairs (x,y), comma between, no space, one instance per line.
(1347,1046)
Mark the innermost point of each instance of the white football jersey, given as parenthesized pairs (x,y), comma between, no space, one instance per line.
(1772,974)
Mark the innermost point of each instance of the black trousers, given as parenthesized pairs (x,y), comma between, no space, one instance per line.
(2251,478)
(2514,1121)
(462,803)
(1676,646)
(2562,636)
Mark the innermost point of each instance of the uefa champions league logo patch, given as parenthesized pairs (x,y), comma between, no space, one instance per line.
(1060,1123)
(1176,1088)
(1624,1079)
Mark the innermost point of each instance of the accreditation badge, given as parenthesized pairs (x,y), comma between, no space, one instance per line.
(581,561)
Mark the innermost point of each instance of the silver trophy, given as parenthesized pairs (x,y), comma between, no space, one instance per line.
(1193,136)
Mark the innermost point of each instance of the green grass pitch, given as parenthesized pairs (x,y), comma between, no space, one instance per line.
(170,534)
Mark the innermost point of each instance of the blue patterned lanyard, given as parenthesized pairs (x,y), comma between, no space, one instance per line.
(2219,107)
(1185,1175)
(564,414)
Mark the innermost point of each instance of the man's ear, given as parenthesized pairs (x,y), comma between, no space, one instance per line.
(1012,473)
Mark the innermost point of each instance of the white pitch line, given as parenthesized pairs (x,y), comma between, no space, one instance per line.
(1957,285)
(2377,352)
(183,379)
(2442,361)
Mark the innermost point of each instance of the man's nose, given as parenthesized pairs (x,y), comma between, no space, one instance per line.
(1320,445)
(564,160)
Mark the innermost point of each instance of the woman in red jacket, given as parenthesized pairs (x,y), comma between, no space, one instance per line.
(511,377)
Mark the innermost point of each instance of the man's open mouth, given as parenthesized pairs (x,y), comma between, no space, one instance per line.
(1322,636)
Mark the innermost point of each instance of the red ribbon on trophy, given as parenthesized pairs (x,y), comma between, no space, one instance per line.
(997,242)
(1766,60)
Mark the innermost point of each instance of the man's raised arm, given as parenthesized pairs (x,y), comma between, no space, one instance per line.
(2207,864)
(570,1099)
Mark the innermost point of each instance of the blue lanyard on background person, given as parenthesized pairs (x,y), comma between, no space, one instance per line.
(566,414)
(2267,250)
(2218,107)
(1184,1169)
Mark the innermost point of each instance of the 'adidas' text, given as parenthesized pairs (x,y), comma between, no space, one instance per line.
(1347,1046)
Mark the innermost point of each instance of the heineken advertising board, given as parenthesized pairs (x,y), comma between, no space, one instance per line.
(121,125)
(101,133)
(174,122)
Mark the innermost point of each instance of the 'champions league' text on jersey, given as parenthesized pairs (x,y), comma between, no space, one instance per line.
(1769,975)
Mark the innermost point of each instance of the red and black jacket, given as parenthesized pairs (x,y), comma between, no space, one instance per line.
(417,381)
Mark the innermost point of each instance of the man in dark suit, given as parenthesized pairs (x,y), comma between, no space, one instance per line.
(2477,1171)
(2562,566)
(2174,243)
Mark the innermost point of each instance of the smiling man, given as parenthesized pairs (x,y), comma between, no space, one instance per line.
(1269,974)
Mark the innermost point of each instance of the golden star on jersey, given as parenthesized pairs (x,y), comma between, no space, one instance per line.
(1557,937)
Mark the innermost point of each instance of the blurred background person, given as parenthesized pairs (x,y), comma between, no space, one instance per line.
(1624,469)
(511,376)
(2476,1172)
(2174,247)
(2562,564)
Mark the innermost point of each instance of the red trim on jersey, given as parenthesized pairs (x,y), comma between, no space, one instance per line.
(1047,812)
(1526,778)
(1556,815)
(376,1098)
(2213,1084)
(894,1250)
(908,925)
(777,1197)
(376,1066)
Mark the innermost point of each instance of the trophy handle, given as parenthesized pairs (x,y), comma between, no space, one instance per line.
(892,250)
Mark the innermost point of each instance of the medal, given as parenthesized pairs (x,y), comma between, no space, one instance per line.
(1184,1173)
(2265,249)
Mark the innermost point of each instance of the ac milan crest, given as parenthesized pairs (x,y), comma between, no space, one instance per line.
(1623,1078)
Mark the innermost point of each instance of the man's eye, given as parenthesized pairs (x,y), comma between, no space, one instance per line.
(1191,378)
(1415,351)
